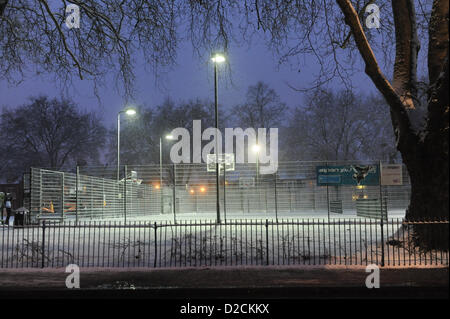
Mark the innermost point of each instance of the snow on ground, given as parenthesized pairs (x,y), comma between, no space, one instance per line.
(303,239)
(304,214)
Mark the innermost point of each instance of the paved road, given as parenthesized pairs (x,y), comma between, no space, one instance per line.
(243,282)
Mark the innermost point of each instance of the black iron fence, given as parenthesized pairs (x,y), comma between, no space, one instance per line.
(234,243)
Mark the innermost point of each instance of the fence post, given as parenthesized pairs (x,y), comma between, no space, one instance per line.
(381,214)
(31,194)
(43,245)
(77,185)
(174,199)
(62,195)
(125,194)
(267,242)
(276,197)
(156,245)
(328,194)
(224,193)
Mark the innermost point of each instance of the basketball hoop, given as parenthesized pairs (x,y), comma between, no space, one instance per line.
(224,160)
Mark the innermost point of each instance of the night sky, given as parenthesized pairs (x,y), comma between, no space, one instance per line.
(192,77)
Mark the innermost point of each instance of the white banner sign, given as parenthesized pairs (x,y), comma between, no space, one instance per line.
(391,174)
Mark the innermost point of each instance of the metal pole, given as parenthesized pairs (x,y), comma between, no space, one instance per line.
(125,193)
(160,176)
(328,194)
(257,170)
(276,197)
(156,245)
(77,185)
(224,193)
(103,197)
(31,194)
(118,146)
(43,245)
(382,215)
(267,242)
(62,196)
(217,146)
(174,195)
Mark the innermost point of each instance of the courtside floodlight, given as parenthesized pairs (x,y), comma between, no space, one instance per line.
(130,111)
(256,148)
(218,58)
(169,137)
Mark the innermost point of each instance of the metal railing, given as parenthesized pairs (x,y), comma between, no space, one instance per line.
(95,193)
(233,243)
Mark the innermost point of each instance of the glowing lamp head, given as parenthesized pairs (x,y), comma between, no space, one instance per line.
(202,189)
(256,148)
(130,112)
(169,137)
(218,58)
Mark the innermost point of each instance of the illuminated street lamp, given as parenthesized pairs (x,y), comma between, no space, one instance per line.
(130,112)
(216,59)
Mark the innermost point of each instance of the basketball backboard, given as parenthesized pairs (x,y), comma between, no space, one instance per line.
(226,159)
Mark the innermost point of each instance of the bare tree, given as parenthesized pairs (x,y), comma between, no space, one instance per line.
(48,133)
(338,126)
(34,36)
(262,108)
(379,143)
(140,135)
(334,33)
(425,152)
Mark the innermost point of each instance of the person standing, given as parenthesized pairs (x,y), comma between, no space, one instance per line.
(8,205)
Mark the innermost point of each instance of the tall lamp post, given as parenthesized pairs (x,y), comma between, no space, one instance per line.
(257,149)
(128,111)
(168,137)
(216,59)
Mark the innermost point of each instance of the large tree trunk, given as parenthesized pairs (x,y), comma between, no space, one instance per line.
(429,202)
(425,153)
(428,168)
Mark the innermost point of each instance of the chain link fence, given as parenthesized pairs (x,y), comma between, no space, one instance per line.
(188,191)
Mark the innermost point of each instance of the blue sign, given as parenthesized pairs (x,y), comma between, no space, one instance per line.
(329,179)
(368,175)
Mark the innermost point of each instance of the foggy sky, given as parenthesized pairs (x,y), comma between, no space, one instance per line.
(189,79)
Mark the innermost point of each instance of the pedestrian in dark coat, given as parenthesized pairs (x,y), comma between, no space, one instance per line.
(8,205)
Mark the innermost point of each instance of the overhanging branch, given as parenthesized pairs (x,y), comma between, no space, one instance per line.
(399,116)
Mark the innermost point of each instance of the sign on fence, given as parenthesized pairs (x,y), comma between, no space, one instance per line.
(348,175)
(391,174)
(246,182)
